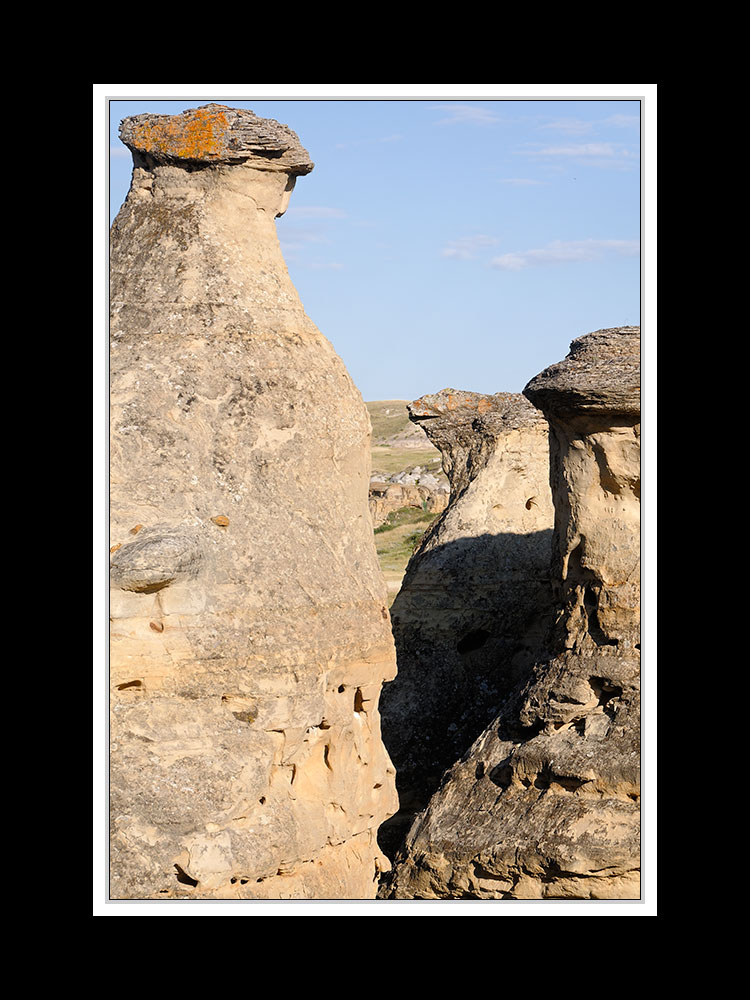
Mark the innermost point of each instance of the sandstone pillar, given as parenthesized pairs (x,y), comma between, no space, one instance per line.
(546,803)
(476,601)
(250,632)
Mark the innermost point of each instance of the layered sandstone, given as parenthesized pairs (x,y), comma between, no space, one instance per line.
(475,602)
(250,631)
(546,803)
(388,497)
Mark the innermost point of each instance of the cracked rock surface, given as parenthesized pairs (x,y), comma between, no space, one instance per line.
(475,602)
(546,802)
(250,634)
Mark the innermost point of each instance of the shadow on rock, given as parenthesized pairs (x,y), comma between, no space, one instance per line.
(471,619)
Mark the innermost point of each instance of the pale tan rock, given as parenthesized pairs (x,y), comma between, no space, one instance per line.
(387,497)
(546,802)
(247,760)
(476,600)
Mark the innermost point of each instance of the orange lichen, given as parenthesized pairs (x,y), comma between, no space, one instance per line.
(221,520)
(197,135)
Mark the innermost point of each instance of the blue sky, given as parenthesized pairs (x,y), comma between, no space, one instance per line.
(451,242)
(449,235)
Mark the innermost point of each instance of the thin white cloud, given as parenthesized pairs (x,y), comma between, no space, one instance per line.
(467,247)
(562,252)
(118,152)
(293,239)
(623,121)
(579,149)
(466,114)
(572,126)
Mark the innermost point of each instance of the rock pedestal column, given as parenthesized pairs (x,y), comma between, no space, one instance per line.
(546,803)
(476,601)
(250,631)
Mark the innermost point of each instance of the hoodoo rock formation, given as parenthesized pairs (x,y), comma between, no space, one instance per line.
(546,803)
(250,632)
(476,601)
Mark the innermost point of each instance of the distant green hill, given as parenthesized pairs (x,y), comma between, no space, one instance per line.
(388,417)
(397,444)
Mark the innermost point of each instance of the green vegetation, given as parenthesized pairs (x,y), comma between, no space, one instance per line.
(396,540)
(388,417)
(405,515)
(388,460)
(399,535)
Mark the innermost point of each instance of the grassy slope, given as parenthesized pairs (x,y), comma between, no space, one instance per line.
(395,540)
(388,417)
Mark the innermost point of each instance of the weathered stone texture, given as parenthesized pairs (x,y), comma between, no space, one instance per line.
(250,631)
(546,803)
(387,497)
(475,603)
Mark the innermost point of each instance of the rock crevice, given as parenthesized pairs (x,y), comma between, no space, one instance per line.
(546,802)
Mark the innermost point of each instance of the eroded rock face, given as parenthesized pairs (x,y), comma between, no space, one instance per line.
(250,632)
(546,803)
(476,601)
(385,498)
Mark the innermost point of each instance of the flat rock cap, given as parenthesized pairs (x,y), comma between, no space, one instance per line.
(460,406)
(216,133)
(601,374)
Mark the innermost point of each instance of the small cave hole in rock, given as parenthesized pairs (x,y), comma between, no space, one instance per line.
(605,691)
(591,608)
(502,774)
(184,878)
(473,640)
(359,702)
(479,773)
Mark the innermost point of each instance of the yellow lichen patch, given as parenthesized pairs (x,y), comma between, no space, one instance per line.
(116,547)
(221,520)
(136,529)
(197,135)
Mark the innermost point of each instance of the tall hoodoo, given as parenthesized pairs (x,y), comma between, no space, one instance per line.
(546,803)
(250,632)
(593,403)
(476,599)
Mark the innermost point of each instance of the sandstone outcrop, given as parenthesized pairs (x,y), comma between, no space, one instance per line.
(387,497)
(250,632)
(546,803)
(476,600)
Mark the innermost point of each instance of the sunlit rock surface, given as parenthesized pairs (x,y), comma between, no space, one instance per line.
(250,631)
(546,803)
(476,601)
